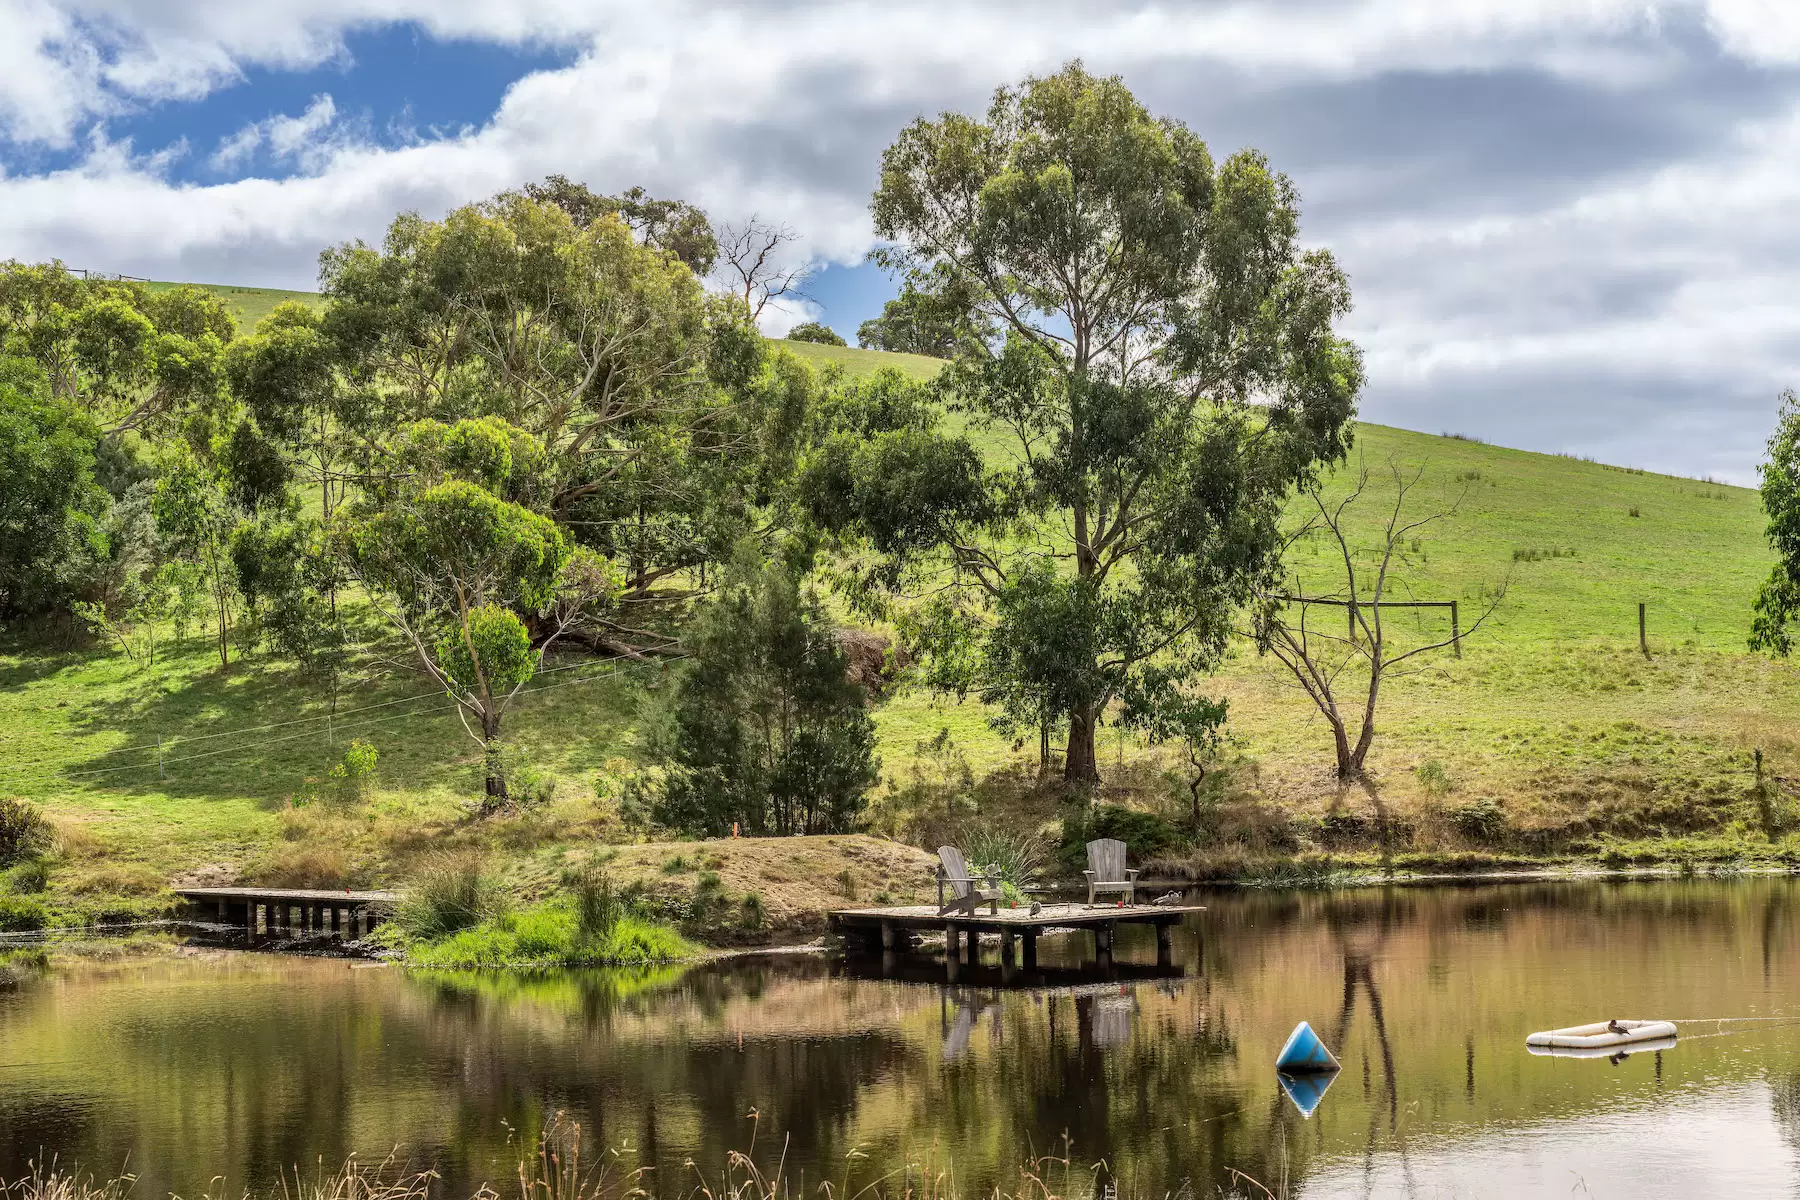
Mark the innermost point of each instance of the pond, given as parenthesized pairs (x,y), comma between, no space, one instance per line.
(229,1066)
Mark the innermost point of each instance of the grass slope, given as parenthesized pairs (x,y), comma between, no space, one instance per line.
(248,304)
(1552,716)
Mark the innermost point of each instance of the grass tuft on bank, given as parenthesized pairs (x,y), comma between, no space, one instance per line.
(550,935)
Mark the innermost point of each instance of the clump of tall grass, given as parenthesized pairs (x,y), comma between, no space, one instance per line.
(1015,860)
(24,831)
(452,892)
(549,935)
(597,905)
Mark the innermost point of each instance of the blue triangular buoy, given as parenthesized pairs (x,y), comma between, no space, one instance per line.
(1306,1090)
(1304,1052)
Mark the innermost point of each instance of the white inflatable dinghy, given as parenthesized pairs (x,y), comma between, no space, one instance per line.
(1603,1035)
(1613,1052)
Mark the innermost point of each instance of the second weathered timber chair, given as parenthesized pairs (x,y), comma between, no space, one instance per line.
(967,892)
(1107,871)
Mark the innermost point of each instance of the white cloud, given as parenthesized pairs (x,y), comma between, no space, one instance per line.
(1675,269)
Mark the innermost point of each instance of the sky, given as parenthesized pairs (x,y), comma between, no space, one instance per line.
(1570,225)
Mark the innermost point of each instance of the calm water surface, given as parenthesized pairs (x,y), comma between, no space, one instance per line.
(236,1065)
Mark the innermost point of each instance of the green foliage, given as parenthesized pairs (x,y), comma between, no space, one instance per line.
(29,877)
(813,331)
(19,914)
(1169,373)
(766,732)
(933,315)
(671,226)
(550,936)
(25,833)
(449,893)
(352,774)
(598,907)
(1433,779)
(130,358)
(1016,859)
(50,505)
(1778,600)
(195,518)
(1145,835)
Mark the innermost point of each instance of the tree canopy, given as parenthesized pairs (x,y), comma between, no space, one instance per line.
(1166,373)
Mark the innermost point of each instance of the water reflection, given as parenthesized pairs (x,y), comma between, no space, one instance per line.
(233,1065)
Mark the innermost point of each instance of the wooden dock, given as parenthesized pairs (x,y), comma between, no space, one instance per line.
(291,912)
(894,929)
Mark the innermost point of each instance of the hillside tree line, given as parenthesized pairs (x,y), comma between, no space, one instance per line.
(538,425)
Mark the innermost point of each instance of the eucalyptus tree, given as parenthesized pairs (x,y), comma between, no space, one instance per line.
(649,398)
(1778,600)
(132,358)
(459,564)
(1165,373)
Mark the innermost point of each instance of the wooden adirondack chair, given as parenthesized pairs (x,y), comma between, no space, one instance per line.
(967,892)
(1107,871)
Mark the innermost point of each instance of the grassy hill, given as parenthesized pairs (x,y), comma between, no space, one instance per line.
(249,305)
(1553,719)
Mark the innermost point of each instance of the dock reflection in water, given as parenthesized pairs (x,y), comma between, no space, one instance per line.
(235,1065)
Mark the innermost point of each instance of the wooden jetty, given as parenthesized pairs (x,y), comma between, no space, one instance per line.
(291,911)
(893,929)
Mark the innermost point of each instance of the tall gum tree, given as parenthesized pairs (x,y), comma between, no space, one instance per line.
(648,396)
(1166,373)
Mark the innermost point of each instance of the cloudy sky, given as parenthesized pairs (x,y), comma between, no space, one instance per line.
(1571,225)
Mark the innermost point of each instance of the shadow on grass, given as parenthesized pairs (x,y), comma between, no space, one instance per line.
(258,729)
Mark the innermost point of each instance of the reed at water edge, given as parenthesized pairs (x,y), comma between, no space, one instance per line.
(555,1168)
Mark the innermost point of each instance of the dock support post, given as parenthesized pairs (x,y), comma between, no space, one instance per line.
(1103,944)
(1008,958)
(887,936)
(1165,945)
(950,941)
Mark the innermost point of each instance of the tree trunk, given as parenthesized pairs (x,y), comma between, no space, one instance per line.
(1080,764)
(1347,767)
(492,767)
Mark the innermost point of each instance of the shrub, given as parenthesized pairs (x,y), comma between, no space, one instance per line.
(766,734)
(29,877)
(1481,819)
(24,833)
(751,909)
(450,893)
(351,774)
(1145,834)
(18,914)
(1016,859)
(1433,779)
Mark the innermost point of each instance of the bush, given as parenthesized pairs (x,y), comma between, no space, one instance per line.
(29,877)
(1481,819)
(766,734)
(1433,779)
(1145,835)
(1016,859)
(449,894)
(352,773)
(18,914)
(24,832)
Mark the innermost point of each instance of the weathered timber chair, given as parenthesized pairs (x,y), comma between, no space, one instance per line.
(967,892)
(1107,871)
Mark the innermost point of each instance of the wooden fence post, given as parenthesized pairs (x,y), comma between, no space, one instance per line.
(1455,629)
(1643,638)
